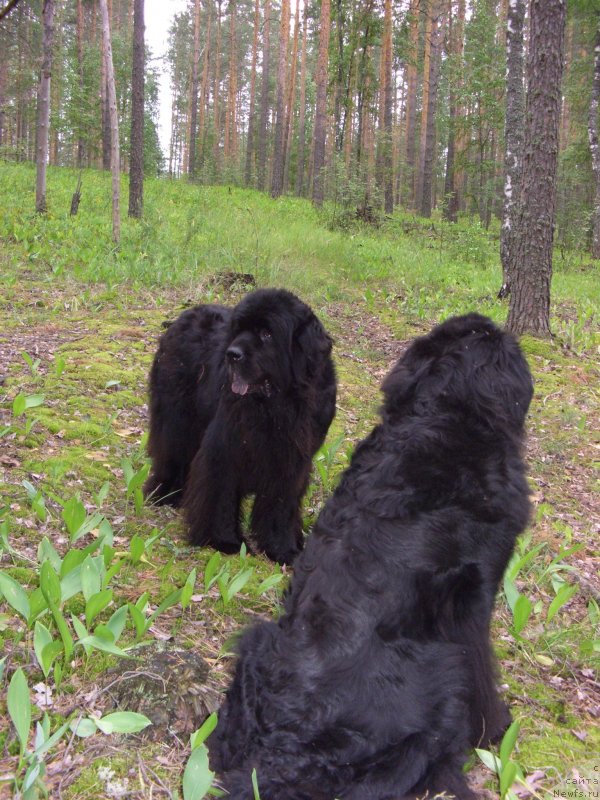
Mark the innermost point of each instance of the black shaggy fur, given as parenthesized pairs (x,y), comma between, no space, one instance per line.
(240,400)
(379,676)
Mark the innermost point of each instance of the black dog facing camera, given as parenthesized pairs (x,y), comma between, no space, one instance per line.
(240,400)
(379,676)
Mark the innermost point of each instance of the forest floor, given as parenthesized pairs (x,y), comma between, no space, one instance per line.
(78,353)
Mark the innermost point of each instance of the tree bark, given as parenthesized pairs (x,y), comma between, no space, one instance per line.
(385,132)
(264,101)
(251,111)
(321,105)
(289,112)
(594,147)
(278,152)
(230,146)
(428,139)
(529,310)
(455,34)
(204,86)
(411,104)
(114,121)
(216,105)
(302,111)
(43,106)
(191,165)
(513,138)
(136,159)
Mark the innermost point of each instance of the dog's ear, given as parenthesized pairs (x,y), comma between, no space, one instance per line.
(311,345)
(466,365)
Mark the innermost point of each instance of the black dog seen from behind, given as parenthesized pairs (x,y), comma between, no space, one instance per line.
(380,676)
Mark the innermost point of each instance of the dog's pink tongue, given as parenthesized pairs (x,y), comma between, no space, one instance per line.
(239,386)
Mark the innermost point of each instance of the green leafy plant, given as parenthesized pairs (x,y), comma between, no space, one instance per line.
(507,770)
(197,776)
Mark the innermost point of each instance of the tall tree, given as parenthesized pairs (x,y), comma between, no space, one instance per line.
(289,112)
(114,120)
(43,105)
(136,158)
(431,79)
(594,145)
(385,122)
(320,133)
(264,99)
(252,102)
(278,148)
(230,146)
(529,309)
(455,36)
(408,195)
(216,93)
(191,165)
(302,109)
(513,137)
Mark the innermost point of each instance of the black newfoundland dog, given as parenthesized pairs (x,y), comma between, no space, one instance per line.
(379,676)
(240,400)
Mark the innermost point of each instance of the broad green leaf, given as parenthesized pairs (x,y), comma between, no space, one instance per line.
(73,514)
(72,560)
(34,400)
(83,727)
(197,776)
(123,722)
(136,548)
(564,594)
(187,589)
(269,583)
(169,601)
(32,773)
(521,613)
(102,644)
(491,761)
(212,568)
(507,777)
(90,523)
(50,584)
(198,737)
(19,405)
(49,654)
(508,741)
(238,583)
(52,740)
(255,790)
(19,707)
(510,592)
(41,637)
(116,623)
(97,603)
(91,581)
(38,604)
(47,552)
(15,595)
(139,620)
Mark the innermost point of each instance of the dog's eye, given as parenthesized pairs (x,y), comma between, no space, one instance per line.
(264,335)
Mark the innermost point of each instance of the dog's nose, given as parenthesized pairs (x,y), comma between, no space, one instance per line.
(235,353)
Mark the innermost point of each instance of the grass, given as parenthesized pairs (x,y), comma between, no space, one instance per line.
(87,316)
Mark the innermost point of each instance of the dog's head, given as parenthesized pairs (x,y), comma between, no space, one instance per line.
(275,342)
(465,365)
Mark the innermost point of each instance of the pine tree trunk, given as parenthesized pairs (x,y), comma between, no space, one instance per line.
(264,101)
(278,153)
(251,112)
(193,104)
(43,106)
(450,208)
(289,113)
(594,147)
(79,36)
(411,105)
(114,121)
(216,97)
(432,79)
(425,101)
(302,112)
(136,161)
(513,138)
(204,87)
(230,120)
(385,133)
(321,105)
(529,309)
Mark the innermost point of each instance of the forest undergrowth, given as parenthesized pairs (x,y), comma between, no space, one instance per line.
(103,606)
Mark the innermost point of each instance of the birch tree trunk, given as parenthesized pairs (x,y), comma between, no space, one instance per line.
(594,148)
(43,106)
(513,138)
(114,121)
(136,159)
(529,309)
